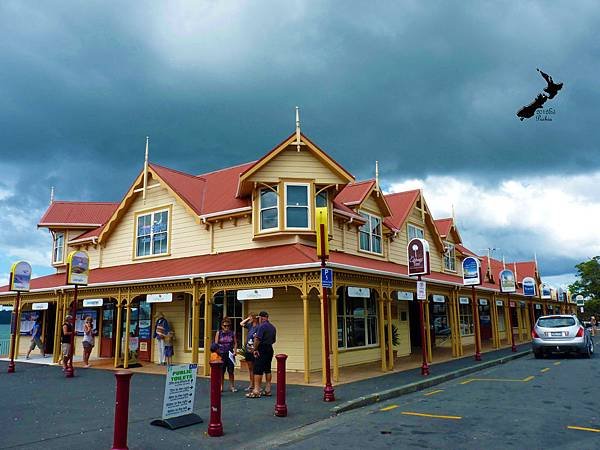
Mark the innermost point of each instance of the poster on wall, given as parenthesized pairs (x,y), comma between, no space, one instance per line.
(528,287)
(507,281)
(80,320)
(28,319)
(471,271)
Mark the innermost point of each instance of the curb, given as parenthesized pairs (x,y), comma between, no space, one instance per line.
(420,385)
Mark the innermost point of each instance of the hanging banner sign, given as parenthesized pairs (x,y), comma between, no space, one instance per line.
(93,302)
(579,300)
(359,292)
(405,295)
(483,301)
(529,287)
(39,306)
(180,389)
(538,306)
(546,291)
(78,263)
(464,300)
(418,257)
(421,290)
(471,271)
(507,281)
(159,298)
(20,276)
(438,298)
(254,294)
(499,303)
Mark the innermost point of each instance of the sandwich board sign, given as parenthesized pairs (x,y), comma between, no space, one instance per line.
(178,402)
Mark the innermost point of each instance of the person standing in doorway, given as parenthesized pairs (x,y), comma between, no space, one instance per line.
(65,341)
(88,340)
(161,330)
(36,338)
(263,354)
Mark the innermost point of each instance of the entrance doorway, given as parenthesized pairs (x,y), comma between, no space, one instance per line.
(49,322)
(107,341)
(140,327)
(415,326)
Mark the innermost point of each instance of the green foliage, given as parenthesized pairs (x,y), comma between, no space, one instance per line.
(588,283)
(395,337)
(591,308)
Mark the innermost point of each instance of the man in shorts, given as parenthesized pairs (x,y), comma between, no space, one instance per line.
(36,338)
(65,341)
(263,355)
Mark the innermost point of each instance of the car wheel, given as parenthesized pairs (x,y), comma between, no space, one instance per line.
(587,354)
(591,346)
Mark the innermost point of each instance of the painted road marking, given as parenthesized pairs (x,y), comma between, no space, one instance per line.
(524,380)
(389,408)
(557,363)
(545,369)
(434,392)
(593,430)
(434,416)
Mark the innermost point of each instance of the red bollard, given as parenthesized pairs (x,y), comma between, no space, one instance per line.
(215,427)
(121,410)
(280,406)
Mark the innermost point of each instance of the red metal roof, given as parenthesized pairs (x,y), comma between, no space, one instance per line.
(465,251)
(221,188)
(400,204)
(355,193)
(444,226)
(85,214)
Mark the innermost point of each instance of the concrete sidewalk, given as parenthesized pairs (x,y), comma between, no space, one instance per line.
(42,409)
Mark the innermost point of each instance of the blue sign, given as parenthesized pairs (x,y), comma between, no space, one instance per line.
(528,287)
(327,277)
(471,271)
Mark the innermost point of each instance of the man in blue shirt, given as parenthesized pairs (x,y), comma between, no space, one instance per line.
(263,353)
(36,337)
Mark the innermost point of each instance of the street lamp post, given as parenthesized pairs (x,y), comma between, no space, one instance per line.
(477,327)
(424,365)
(70,371)
(328,391)
(13,333)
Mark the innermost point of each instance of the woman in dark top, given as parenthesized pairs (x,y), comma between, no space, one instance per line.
(250,323)
(227,341)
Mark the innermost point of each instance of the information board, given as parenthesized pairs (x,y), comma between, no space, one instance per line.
(180,388)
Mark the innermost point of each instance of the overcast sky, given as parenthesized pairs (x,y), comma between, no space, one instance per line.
(430,89)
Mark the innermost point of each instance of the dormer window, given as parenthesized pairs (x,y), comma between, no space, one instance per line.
(269,209)
(297,206)
(58,248)
(152,234)
(450,257)
(415,232)
(370,234)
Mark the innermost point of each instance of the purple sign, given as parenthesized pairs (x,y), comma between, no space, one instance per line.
(418,257)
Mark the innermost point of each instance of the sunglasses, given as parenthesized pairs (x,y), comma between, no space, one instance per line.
(226,325)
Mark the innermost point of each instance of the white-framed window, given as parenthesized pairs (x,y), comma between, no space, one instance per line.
(357,321)
(152,233)
(415,232)
(297,211)
(58,248)
(268,206)
(450,257)
(370,234)
(467,325)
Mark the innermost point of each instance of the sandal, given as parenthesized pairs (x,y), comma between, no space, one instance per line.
(249,389)
(233,389)
(253,395)
(266,393)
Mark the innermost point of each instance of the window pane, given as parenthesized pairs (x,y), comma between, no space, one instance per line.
(373,334)
(143,225)
(321,199)
(268,219)
(268,198)
(297,217)
(297,195)
(371,306)
(143,246)
(376,244)
(375,225)
(358,337)
(160,243)
(160,222)
(365,243)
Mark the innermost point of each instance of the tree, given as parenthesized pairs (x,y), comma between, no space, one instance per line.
(588,283)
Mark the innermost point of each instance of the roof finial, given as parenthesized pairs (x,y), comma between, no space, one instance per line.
(516,275)
(377,174)
(52,195)
(503,262)
(453,215)
(297,128)
(145,170)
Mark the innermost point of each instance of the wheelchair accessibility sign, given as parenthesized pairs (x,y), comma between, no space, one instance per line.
(327,277)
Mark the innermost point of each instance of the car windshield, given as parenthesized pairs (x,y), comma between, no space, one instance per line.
(556,322)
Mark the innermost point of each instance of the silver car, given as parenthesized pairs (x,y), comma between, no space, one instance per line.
(561,333)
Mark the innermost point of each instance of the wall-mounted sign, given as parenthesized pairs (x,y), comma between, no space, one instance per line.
(512,304)
(405,295)
(20,276)
(359,292)
(507,281)
(471,271)
(254,294)
(6,307)
(483,301)
(93,302)
(523,304)
(78,268)
(39,306)
(546,291)
(421,290)
(159,298)
(326,277)
(528,287)
(499,303)
(418,257)
(579,300)
(538,306)
(438,298)
(464,300)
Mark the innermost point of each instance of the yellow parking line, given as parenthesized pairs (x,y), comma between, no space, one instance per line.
(557,363)
(466,381)
(388,408)
(545,369)
(524,380)
(434,416)
(593,430)
(433,392)
(529,378)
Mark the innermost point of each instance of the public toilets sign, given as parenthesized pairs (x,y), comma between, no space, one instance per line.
(20,276)
(507,281)
(180,389)
(471,271)
(418,257)
(529,287)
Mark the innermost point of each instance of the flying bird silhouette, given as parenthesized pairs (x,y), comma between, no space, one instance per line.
(528,111)
(552,88)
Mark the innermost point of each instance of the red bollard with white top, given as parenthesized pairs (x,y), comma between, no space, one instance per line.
(280,406)
(215,426)
(121,410)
